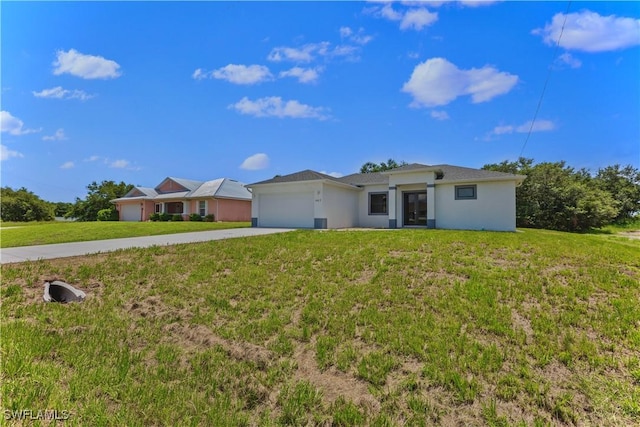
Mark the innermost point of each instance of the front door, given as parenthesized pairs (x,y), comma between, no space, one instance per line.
(415,208)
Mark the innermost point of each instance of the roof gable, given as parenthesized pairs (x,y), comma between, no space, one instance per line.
(305,175)
(141,192)
(174,185)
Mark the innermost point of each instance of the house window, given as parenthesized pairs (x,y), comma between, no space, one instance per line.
(202,208)
(158,207)
(174,207)
(378,204)
(466,192)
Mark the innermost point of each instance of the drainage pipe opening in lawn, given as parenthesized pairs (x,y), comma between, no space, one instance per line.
(57,291)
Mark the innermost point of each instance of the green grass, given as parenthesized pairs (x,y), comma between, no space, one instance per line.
(417,327)
(623,227)
(44,233)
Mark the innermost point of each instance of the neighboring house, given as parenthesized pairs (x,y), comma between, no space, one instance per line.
(413,195)
(226,199)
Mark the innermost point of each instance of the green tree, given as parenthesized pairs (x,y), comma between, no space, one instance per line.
(61,208)
(23,205)
(98,198)
(382,166)
(557,197)
(623,183)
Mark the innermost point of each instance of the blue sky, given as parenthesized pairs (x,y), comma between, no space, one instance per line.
(138,91)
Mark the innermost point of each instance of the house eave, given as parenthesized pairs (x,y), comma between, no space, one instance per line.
(517,178)
(410,171)
(310,181)
(131,199)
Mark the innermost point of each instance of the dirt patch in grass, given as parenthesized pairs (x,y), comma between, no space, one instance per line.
(631,234)
(198,337)
(365,277)
(521,322)
(148,307)
(331,381)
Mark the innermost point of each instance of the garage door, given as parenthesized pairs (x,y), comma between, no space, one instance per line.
(130,213)
(292,210)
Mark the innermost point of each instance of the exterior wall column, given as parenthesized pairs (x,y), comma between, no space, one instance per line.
(393,217)
(319,214)
(255,205)
(431,206)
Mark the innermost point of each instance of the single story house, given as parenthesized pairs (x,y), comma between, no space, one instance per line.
(226,199)
(413,195)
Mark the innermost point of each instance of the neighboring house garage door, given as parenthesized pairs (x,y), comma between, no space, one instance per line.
(130,213)
(294,210)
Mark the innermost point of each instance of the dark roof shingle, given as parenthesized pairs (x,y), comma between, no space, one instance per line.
(305,175)
(449,173)
(365,178)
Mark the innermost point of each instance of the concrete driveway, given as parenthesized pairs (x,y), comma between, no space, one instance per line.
(61,250)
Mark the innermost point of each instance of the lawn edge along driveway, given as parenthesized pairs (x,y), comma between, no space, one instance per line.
(62,250)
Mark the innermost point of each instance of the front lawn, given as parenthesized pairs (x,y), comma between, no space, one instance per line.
(416,327)
(44,233)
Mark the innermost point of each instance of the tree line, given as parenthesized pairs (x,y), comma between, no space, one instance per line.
(23,205)
(558,197)
(553,196)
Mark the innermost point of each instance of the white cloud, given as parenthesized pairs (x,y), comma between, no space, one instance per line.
(439,115)
(310,52)
(478,3)
(503,129)
(538,126)
(255,162)
(13,125)
(438,82)
(333,174)
(389,13)
(355,37)
(6,153)
(302,54)
(412,18)
(590,32)
(120,164)
(274,106)
(59,93)
(417,19)
(67,165)
(568,59)
(347,51)
(199,74)
(85,66)
(304,75)
(92,159)
(345,32)
(238,74)
(58,136)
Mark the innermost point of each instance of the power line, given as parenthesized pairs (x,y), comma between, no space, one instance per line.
(546,82)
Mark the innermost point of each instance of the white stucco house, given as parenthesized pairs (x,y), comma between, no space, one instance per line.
(414,195)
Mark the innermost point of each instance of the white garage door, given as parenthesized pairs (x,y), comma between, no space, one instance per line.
(130,213)
(292,210)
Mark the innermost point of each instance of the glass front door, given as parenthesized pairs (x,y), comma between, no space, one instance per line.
(415,208)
